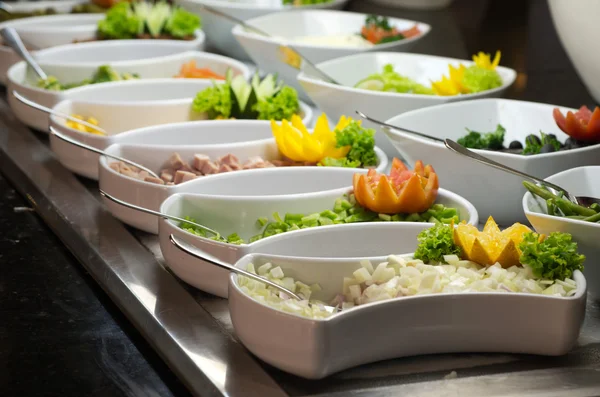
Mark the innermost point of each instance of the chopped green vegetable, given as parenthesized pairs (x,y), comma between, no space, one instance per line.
(103,74)
(390,81)
(215,100)
(120,22)
(379,21)
(343,162)
(488,140)
(282,105)
(554,258)
(361,141)
(478,79)
(436,242)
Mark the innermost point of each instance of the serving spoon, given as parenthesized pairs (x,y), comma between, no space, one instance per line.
(294,51)
(82,145)
(159,214)
(12,38)
(584,201)
(196,253)
(393,127)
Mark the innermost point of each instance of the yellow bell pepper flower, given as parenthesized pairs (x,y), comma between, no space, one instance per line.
(452,85)
(484,60)
(296,143)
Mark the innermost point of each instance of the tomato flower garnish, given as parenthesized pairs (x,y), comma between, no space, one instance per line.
(582,125)
(403,191)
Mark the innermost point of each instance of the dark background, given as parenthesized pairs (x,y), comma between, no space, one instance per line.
(60,335)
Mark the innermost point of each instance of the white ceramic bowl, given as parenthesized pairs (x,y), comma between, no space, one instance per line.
(60,6)
(414,4)
(431,324)
(58,30)
(577,28)
(156,64)
(124,106)
(219,29)
(265,51)
(581,181)
(151,195)
(338,100)
(239,214)
(492,191)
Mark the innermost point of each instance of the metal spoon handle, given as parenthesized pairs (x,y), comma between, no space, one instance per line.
(101,152)
(44,109)
(156,213)
(193,251)
(455,147)
(12,39)
(384,124)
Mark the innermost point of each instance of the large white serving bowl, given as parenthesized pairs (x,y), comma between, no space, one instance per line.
(218,29)
(473,322)
(580,181)
(493,192)
(151,195)
(576,23)
(266,53)
(46,31)
(239,214)
(156,64)
(124,106)
(337,100)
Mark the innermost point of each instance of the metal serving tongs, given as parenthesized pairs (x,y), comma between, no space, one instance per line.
(290,55)
(160,214)
(82,145)
(203,256)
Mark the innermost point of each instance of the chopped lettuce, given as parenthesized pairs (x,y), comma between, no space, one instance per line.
(478,79)
(283,105)
(216,101)
(435,243)
(120,22)
(182,24)
(554,258)
(361,141)
(390,81)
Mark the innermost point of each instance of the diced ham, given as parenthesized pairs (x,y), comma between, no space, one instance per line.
(254,162)
(230,160)
(268,164)
(224,168)
(152,179)
(184,176)
(143,175)
(209,168)
(282,163)
(115,166)
(186,167)
(200,160)
(175,162)
(166,175)
(169,183)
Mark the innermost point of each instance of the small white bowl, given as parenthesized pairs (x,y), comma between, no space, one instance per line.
(408,326)
(154,65)
(581,181)
(218,29)
(577,28)
(492,191)
(151,195)
(336,100)
(60,6)
(265,52)
(122,107)
(239,214)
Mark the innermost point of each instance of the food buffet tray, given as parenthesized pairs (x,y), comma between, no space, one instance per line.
(192,330)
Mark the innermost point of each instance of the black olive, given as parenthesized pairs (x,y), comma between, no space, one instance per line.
(571,143)
(551,137)
(533,139)
(515,145)
(548,148)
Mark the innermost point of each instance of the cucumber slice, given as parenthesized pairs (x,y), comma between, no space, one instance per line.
(157,18)
(370,83)
(229,76)
(268,87)
(142,11)
(241,92)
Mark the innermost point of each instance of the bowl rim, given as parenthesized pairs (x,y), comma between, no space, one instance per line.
(577,276)
(30,6)
(529,212)
(473,215)
(249,6)
(238,30)
(508,77)
(28,23)
(488,153)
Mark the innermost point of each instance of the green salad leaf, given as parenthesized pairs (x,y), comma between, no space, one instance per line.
(390,81)
(282,105)
(478,79)
(343,162)
(361,141)
(487,140)
(182,24)
(216,101)
(554,258)
(436,242)
(120,23)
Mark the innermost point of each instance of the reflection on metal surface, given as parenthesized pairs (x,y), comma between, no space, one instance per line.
(146,298)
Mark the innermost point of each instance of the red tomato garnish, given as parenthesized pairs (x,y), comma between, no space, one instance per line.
(582,125)
(412,32)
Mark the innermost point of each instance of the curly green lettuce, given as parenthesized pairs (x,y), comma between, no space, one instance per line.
(215,100)
(182,24)
(120,23)
(361,141)
(478,79)
(487,140)
(280,106)
(554,258)
(436,242)
(343,162)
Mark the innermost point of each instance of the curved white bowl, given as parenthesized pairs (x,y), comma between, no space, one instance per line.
(432,324)
(265,52)
(61,6)
(581,181)
(122,107)
(239,214)
(151,195)
(219,29)
(492,191)
(576,23)
(154,65)
(336,100)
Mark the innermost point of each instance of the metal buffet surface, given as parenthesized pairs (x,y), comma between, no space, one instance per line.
(192,330)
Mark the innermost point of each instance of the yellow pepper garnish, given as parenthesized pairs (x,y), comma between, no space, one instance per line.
(84,128)
(484,60)
(296,143)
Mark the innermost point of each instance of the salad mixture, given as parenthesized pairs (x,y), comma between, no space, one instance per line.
(557,205)
(481,76)
(408,196)
(447,260)
(265,99)
(377,30)
(103,74)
